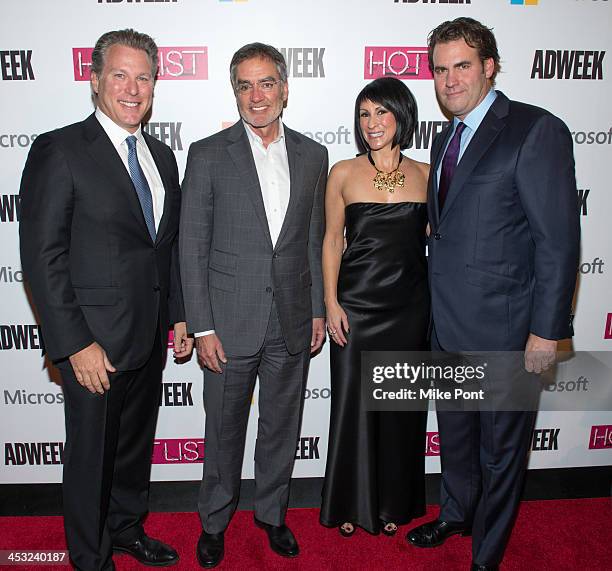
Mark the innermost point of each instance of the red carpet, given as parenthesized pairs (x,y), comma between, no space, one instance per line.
(551,535)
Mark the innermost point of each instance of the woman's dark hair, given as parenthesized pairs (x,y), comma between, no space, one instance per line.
(394,96)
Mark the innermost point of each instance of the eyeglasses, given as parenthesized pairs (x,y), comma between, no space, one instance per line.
(265,85)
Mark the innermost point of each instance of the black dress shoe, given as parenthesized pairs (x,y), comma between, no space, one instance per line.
(148,551)
(210,549)
(476,567)
(282,541)
(435,533)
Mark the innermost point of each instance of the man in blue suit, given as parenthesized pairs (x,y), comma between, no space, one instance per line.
(503,256)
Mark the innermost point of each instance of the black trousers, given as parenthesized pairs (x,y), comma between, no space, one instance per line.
(107,459)
(483,456)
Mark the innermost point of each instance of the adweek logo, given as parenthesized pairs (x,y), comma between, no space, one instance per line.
(16,65)
(568,64)
(20,336)
(425,132)
(601,437)
(178,451)
(308,448)
(396,61)
(583,195)
(304,62)
(545,439)
(168,133)
(175,63)
(33,453)
(10,207)
(176,394)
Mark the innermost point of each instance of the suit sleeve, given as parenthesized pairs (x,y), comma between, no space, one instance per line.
(176,306)
(315,239)
(47,207)
(194,242)
(546,181)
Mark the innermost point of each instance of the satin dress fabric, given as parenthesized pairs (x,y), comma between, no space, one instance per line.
(375,464)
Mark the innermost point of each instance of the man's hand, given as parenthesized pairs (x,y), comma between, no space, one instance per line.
(183,344)
(210,352)
(318,333)
(540,354)
(90,366)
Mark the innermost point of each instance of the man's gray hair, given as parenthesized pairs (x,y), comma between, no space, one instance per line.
(131,39)
(258,50)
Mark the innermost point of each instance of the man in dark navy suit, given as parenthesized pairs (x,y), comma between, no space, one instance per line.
(503,257)
(100,203)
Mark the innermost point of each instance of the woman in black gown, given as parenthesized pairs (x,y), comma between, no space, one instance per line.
(377,299)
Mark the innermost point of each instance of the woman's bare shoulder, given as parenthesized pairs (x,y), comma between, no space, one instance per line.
(345,168)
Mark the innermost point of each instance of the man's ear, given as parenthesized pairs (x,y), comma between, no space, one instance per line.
(489,67)
(95,82)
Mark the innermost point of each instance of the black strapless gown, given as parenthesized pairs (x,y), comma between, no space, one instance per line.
(375,463)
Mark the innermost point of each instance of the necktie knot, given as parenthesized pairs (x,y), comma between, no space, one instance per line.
(131,142)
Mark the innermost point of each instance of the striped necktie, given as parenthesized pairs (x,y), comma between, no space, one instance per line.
(141,185)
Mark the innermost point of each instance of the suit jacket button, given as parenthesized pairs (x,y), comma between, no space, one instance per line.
(268,289)
(156,288)
(437,236)
(275,255)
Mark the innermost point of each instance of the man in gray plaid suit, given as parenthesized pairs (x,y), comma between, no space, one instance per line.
(250,249)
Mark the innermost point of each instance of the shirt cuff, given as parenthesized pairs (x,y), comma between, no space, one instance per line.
(203,333)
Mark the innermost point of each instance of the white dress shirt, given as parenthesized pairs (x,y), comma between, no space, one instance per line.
(273,172)
(118,135)
(272,167)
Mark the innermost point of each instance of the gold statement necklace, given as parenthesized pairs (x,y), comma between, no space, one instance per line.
(387,180)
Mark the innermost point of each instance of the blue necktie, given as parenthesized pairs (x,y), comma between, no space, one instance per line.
(449,163)
(141,185)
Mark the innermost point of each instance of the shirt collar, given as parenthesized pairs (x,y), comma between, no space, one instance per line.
(115,133)
(253,137)
(474,118)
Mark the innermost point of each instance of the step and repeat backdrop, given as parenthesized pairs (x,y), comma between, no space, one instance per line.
(555,54)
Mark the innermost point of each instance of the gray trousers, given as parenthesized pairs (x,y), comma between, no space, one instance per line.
(227,402)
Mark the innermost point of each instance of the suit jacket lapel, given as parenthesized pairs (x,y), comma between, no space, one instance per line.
(296,169)
(164,175)
(436,158)
(487,132)
(105,155)
(240,152)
